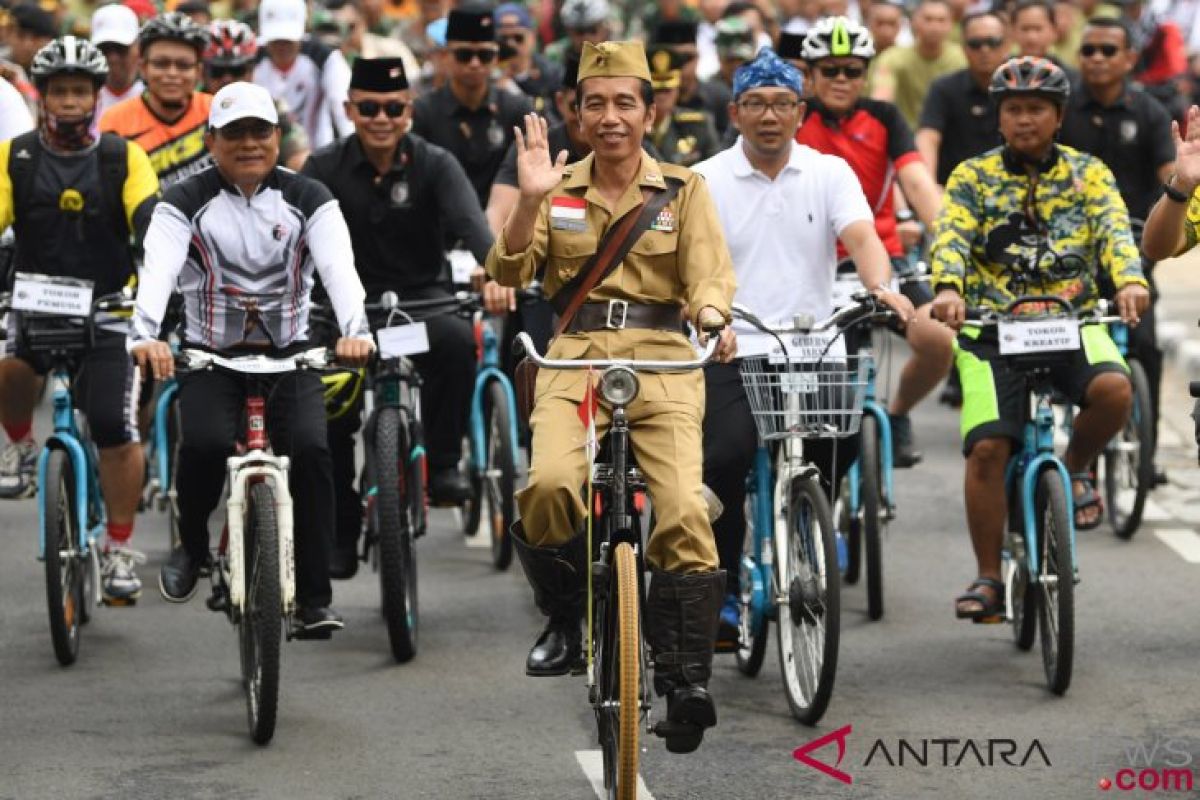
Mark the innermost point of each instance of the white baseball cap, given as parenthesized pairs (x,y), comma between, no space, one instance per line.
(114,24)
(241,100)
(281,20)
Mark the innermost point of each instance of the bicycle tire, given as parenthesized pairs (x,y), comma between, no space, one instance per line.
(472,509)
(500,474)
(1024,612)
(260,623)
(629,642)
(870,493)
(64,574)
(1056,604)
(418,464)
(809,590)
(396,555)
(1137,436)
(752,645)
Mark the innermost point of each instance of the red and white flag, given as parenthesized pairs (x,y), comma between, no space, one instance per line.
(588,409)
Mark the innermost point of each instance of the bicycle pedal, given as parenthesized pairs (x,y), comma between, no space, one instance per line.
(995,619)
(119,602)
(218,601)
(600,572)
(306,635)
(726,646)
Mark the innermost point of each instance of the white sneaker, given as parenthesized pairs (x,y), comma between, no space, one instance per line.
(120,583)
(18,470)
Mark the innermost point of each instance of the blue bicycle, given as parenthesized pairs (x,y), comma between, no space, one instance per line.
(493,446)
(71,511)
(1128,460)
(1038,558)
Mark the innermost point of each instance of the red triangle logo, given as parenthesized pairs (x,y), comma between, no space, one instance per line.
(802,754)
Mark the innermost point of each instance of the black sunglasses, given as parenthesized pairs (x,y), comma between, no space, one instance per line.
(258,129)
(463,55)
(370,108)
(990,42)
(217,72)
(1108,50)
(832,71)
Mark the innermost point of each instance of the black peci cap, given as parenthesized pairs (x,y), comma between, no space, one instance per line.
(378,75)
(678,31)
(790,45)
(470,26)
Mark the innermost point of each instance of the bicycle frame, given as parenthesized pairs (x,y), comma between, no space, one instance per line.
(160,483)
(88,504)
(872,406)
(392,384)
(757,563)
(489,370)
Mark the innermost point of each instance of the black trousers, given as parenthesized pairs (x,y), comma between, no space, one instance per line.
(730,441)
(447,381)
(211,405)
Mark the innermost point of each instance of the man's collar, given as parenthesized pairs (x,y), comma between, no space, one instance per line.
(271,181)
(358,154)
(490,100)
(1088,100)
(819,108)
(649,175)
(742,168)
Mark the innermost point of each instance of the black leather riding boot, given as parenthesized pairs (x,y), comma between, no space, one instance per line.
(681,626)
(559,583)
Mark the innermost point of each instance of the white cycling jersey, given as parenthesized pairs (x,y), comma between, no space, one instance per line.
(246,266)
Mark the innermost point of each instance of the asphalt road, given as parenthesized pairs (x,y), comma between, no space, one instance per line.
(153,707)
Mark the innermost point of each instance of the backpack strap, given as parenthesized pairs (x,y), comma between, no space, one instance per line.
(24,155)
(114,170)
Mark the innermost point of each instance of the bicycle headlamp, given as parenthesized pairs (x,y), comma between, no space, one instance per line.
(618,386)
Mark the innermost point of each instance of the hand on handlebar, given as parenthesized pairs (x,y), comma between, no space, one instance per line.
(1132,301)
(950,307)
(352,352)
(155,356)
(898,303)
(497,299)
(710,321)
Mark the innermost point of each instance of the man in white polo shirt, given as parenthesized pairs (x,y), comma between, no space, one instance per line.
(115,33)
(783,206)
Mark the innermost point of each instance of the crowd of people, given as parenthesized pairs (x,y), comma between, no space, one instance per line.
(243,152)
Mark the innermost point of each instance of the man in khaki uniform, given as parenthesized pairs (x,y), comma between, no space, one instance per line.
(680,262)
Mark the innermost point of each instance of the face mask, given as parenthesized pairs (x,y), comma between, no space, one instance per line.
(64,134)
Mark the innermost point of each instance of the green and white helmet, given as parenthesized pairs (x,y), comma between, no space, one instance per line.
(837,36)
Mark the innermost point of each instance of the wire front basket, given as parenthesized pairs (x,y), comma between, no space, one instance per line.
(810,400)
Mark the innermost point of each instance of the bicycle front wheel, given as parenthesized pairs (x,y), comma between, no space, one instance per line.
(752,639)
(260,621)
(65,568)
(808,598)
(1056,581)
(500,478)
(397,558)
(619,676)
(871,493)
(1129,460)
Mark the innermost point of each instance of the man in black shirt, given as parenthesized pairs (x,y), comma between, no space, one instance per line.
(469,116)
(536,76)
(958,120)
(1130,132)
(711,96)
(401,196)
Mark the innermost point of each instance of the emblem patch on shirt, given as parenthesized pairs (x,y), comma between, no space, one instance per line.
(568,214)
(1128,131)
(665,221)
(399,194)
(495,134)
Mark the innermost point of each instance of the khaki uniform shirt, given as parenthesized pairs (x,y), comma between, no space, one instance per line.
(682,259)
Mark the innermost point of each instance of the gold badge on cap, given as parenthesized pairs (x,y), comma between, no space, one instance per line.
(662,62)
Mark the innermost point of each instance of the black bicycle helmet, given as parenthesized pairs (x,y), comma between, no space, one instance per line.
(173,27)
(1030,75)
(70,54)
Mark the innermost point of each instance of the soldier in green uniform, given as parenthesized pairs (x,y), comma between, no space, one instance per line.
(683,136)
(681,263)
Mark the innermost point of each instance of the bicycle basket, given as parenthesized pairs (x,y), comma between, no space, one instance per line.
(810,400)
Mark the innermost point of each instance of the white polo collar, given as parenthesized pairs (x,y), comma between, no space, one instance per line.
(742,168)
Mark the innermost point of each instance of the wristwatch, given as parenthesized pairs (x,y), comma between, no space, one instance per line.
(1172,193)
(905,215)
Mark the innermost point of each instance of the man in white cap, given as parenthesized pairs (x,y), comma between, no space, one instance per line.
(313,79)
(250,229)
(115,33)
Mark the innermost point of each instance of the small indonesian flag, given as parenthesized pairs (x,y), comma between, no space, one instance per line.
(568,213)
(587,415)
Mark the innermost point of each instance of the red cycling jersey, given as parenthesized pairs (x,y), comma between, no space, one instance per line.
(877,143)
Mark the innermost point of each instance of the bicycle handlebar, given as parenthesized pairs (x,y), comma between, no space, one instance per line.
(864,307)
(526,344)
(980,316)
(256,364)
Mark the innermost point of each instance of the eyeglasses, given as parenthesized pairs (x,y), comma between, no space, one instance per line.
(113,49)
(757,106)
(180,64)
(831,71)
(990,42)
(257,129)
(369,109)
(463,55)
(1107,50)
(216,72)
(513,38)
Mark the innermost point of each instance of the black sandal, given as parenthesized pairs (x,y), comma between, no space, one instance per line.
(1088,498)
(990,605)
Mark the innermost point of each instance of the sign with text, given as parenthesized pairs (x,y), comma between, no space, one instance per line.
(1041,336)
(403,340)
(51,295)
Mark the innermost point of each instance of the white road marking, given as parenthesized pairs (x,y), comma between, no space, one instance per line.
(1184,541)
(1153,512)
(592,764)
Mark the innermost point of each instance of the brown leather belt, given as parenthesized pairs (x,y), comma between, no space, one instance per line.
(617,315)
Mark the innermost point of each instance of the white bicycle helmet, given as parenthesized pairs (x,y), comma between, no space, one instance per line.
(837,36)
(70,54)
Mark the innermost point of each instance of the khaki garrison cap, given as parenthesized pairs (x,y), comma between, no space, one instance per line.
(614,60)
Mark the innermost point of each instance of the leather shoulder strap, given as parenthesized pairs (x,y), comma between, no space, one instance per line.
(613,248)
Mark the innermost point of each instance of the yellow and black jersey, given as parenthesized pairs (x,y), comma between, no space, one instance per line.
(1003,233)
(78,214)
(176,149)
